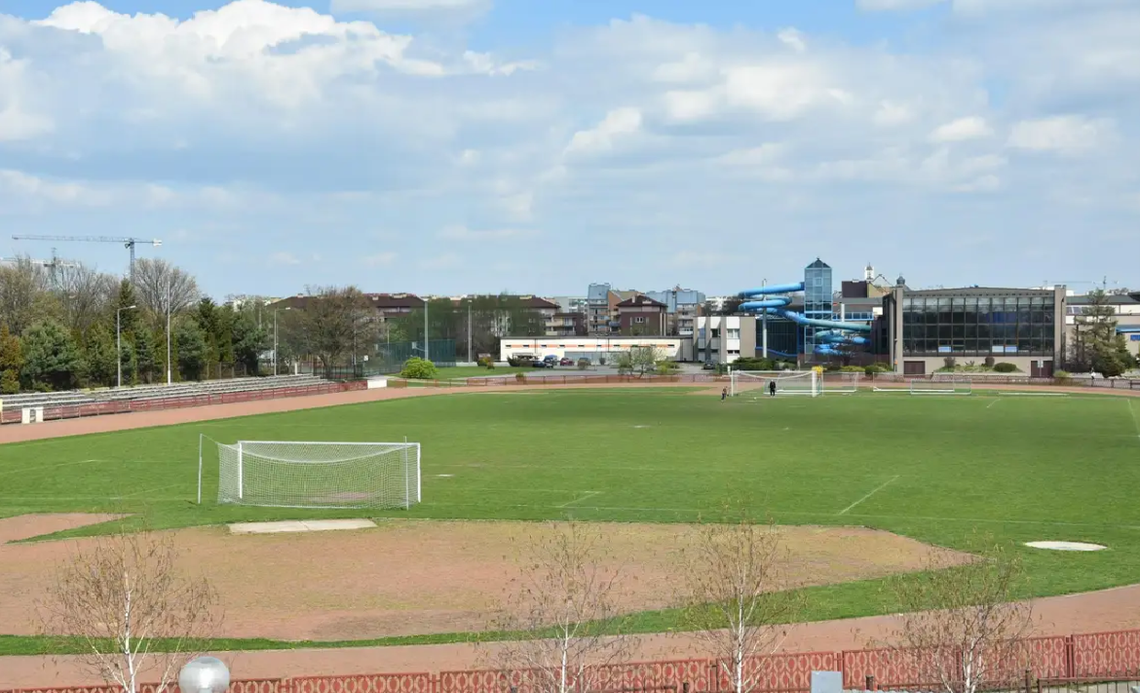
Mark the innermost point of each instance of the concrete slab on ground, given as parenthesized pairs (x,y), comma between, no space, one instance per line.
(298,526)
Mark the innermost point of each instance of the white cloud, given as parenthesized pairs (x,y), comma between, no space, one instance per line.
(617,124)
(962,129)
(298,122)
(413,6)
(17,125)
(1069,134)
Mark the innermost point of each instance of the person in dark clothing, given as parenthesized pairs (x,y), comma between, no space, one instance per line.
(772,388)
(724,394)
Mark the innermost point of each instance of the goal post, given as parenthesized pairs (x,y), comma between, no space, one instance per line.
(941,384)
(312,474)
(841,383)
(757,383)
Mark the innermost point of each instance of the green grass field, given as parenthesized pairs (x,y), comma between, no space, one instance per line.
(932,468)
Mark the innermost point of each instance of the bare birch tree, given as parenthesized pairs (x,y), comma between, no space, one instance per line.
(565,606)
(85,295)
(962,628)
(737,598)
(24,294)
(163,289)
(135,617)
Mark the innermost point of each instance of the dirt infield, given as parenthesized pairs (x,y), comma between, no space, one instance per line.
(415,577)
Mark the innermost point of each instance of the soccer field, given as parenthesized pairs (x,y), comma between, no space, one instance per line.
(931,468)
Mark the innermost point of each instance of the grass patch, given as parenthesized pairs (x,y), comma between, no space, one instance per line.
(1025,469)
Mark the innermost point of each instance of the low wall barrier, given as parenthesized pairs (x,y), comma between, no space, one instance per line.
(57,412)
(1113,656)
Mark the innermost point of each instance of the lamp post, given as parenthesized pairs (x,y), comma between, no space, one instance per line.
(204,675)
(275,337)
(119,344)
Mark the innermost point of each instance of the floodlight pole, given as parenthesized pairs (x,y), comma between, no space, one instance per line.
(468,329)
(119,344)
(427,349)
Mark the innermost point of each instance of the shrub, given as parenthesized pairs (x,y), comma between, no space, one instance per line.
(989,362)
(487,362)
(520,377)
(1005,368)
(853,369)
(583,364)
(1062,375)
(667,367)
(416,368)
(950,363)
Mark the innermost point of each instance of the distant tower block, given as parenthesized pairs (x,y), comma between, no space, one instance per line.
(869,273)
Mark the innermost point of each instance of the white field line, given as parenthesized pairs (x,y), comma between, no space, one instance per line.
(1135,420)
(50,466)
(882,486)
(992,403)
(579,499)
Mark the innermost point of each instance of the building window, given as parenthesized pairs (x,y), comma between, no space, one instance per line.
(734,333)
(639,320)
(978,325)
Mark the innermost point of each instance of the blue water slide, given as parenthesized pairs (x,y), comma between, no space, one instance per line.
(832,330)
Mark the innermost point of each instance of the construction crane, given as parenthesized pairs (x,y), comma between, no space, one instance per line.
(52,266)
(128,243)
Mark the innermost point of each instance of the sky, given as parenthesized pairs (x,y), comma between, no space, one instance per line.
(470,146)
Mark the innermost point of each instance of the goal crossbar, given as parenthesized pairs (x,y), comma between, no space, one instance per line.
(941,385)
(319,474)
(758,383)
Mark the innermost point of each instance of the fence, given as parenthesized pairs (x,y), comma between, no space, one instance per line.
(1056,662)
(75,411)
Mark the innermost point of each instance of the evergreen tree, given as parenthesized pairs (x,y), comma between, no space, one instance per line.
(51,358)
(1099,346)
(99,357)
(143,346)
(249,342)
(11,362)
(192,349)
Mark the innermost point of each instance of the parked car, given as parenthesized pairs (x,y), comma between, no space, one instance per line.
(566,361)
(709,366)
(551,360)
(537,364)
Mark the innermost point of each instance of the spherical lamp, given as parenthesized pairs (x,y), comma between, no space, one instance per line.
(204,675)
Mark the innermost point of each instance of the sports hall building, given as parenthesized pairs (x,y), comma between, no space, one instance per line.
(1025,327)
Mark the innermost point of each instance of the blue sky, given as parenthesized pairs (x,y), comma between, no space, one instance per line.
(452,146)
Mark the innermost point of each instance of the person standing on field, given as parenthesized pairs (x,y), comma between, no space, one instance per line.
(724,394)
(771,388)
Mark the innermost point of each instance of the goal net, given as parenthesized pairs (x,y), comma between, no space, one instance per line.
(941,384)
(758,383)
(841,383)
(289,474)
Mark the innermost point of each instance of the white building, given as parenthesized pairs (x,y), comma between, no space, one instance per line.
(592,348)
(724,338)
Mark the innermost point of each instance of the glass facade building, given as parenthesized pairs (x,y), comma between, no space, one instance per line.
(979,322)
(817,298)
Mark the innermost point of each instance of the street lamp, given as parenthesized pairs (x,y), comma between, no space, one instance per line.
(275,336)
(119,342)
(204,675)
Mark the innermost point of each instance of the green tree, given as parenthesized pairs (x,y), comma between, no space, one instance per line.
(99,356)
(248,341)
(129,320)
(11,362)
(51,358)
(145,349)
(1099,348)
(192,349)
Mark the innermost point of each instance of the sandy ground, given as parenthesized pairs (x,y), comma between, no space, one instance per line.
(1093,612)
(413,577)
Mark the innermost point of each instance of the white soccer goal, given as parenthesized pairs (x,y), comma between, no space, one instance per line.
(841,383)
(757,383)
(941,384)
(293,474)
